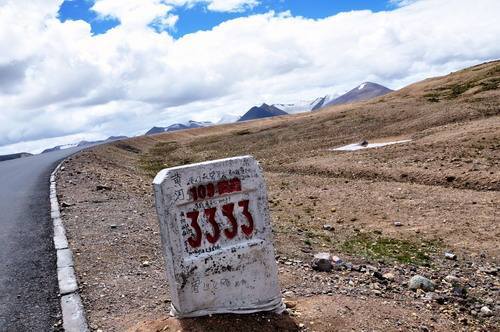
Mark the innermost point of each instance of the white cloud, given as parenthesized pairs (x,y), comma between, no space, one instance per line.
(134,14)
(402,3)
(231,5)
(218,5)
(57,80)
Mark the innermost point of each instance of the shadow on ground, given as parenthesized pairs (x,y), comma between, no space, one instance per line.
(216,323)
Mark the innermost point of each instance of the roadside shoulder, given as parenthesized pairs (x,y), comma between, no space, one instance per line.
(71,304)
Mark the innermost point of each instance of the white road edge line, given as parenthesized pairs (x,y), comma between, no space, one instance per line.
(73,313)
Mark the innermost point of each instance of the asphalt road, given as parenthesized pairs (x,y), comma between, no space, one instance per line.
(28,281)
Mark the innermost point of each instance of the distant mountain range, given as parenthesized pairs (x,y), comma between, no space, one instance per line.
(178,126)
(14,156)
(83,143)
(262,111)
(304,106)
(364,91)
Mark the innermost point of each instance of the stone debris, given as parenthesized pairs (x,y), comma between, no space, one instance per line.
(146,263)
(388,276)
(489,270)
(451,178)
(451,279)
(290,304)
(420,282)
(102,187)
(328,227)
(322,262)
(336,260)
(450,256)
(459,291)
(485,311)
(66,204)
(398,223)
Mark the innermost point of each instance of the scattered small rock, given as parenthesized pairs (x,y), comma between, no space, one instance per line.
(423,328)
(113,226)
(388,276)
(450,256)
(441,299)
(430,296)
(356,268)
(146,264)
(489,270)
(290,304)
(66,204)
(322,262)
(485,311)
(489,300)
(398,223)
(451,279)
(420,282)
(451,178)
(363,143)
(459,291)
(328,227)
(337,261)
(103,187)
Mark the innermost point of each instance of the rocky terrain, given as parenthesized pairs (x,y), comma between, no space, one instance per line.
(408,232)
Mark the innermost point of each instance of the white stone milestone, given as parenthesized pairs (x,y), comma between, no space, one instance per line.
(217,240)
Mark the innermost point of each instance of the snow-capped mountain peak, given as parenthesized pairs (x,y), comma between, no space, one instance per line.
(179,126)
(304,105)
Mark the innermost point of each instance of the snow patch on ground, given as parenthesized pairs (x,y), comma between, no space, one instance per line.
(358,146)
(361,86)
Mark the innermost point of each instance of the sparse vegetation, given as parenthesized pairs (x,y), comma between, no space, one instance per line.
(486,81)
(378,247)
(432,97)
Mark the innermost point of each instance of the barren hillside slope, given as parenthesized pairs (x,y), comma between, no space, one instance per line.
(394,209)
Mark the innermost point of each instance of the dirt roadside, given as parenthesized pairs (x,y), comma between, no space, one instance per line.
(442,188)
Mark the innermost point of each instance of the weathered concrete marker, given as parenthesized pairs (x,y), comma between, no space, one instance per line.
(216,235)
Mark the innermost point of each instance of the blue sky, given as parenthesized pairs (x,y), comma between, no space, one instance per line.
(197,17)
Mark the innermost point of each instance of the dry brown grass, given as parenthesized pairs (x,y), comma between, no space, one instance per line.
(456,144)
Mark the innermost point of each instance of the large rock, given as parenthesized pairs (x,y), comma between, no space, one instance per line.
(420,282)
(322,262)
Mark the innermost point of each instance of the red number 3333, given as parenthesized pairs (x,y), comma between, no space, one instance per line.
(230,232)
